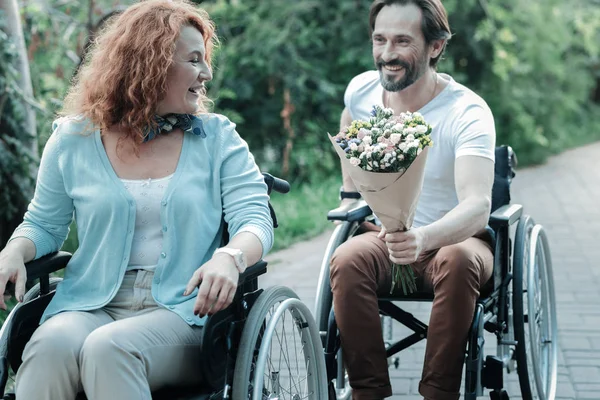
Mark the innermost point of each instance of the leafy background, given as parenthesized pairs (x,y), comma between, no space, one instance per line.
(281,71)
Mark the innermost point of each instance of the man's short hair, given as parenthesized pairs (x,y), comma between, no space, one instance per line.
(434,23)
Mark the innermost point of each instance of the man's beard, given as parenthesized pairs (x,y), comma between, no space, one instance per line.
(412,73)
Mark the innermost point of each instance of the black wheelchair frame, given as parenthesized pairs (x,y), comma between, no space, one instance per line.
(221,334)
(504,312)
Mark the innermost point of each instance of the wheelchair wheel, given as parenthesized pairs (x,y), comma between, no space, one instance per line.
(534,313)
(35,289)
(324,298)
(280,354)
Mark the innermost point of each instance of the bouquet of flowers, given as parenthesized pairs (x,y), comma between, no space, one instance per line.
(385,157)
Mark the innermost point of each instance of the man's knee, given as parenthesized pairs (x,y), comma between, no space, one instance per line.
(352,261)
(458,263)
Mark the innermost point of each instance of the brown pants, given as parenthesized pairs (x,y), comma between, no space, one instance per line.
(360,270)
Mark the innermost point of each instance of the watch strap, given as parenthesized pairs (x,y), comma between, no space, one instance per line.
(349,195)
(239,258)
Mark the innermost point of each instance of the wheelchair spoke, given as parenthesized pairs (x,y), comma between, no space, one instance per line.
(286,376)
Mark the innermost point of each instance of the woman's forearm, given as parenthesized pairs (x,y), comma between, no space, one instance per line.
(20,247)
(249,244)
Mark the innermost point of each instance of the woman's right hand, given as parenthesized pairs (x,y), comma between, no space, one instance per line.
(12,269)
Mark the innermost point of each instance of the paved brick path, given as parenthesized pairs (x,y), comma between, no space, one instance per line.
(564,196)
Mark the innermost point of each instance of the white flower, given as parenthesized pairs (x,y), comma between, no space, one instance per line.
(410,137)
(421,129)
(400,157)
(417,115)
(368,139)
(375,164)
(398,127)
(414,143)
(402,146)
(395,138)
(411,130)
(353,146)
(354,161)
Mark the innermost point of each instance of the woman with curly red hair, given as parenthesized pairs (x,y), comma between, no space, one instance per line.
(148,174)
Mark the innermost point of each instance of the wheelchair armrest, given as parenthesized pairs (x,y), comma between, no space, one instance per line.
(350,214)
(506,215)
(47,264)
(253,271)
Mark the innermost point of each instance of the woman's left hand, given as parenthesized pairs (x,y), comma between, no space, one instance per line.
(217,280)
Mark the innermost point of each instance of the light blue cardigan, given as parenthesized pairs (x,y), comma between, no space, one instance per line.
(215,175)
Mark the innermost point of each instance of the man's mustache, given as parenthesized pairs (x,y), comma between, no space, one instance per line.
(393,63)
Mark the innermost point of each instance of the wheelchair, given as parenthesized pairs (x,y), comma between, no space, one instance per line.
(520,311)
(246,347)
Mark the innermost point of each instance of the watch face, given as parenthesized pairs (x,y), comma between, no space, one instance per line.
(239,258)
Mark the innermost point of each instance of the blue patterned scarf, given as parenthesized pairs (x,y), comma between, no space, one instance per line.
(186,122)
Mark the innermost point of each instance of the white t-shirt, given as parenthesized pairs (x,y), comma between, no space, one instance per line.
(462,125)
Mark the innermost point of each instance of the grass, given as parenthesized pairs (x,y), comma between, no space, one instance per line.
(302,213)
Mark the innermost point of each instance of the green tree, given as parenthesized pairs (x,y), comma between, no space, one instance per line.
(18,140)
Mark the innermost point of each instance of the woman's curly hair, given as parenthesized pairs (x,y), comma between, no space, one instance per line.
(124,74)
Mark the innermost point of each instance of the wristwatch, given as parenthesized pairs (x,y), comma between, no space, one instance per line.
(239,258)
(348,195)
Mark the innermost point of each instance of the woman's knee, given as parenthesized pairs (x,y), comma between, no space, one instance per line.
(53,342)
(103,348)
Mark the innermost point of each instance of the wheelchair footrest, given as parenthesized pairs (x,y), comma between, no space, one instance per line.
(492,376)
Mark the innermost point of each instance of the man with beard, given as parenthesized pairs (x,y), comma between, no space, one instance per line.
(448,246)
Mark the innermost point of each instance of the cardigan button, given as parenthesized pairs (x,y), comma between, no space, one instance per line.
(164,203)
(163,254)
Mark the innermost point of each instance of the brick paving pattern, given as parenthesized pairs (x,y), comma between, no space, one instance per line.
(563,195)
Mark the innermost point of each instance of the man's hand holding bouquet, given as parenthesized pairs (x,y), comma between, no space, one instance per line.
(385,158)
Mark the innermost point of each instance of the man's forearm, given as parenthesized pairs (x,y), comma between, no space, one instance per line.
(347,182)
(463,221)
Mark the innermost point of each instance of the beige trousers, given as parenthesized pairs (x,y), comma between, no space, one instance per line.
(120,352)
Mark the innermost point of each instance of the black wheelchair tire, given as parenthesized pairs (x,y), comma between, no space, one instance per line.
(522,238)
(250,340)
